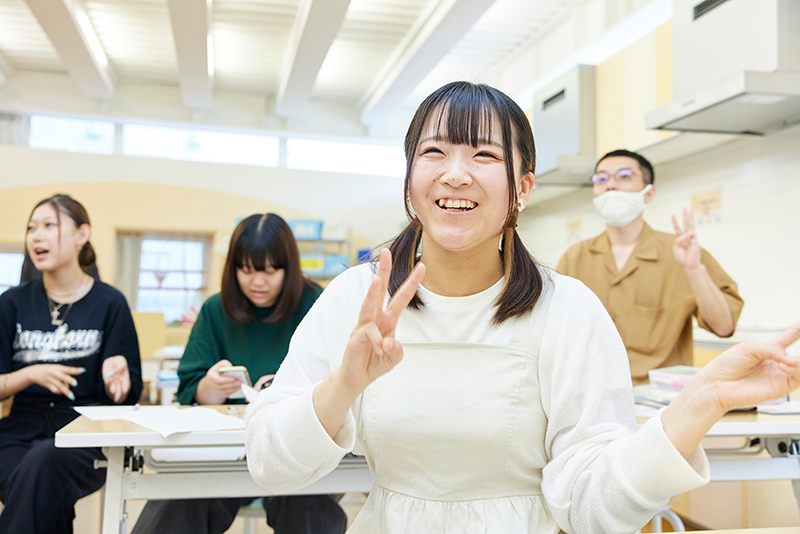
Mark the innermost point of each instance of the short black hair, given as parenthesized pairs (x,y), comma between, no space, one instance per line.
(647,168)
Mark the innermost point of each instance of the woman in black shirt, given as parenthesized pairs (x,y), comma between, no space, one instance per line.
(66,340)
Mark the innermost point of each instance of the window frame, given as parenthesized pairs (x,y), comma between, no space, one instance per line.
(129,263)
(11,249)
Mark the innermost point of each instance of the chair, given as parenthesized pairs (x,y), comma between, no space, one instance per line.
(672,518)
(152,333)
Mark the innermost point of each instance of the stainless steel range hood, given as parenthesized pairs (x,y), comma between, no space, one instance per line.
(563,126)
(736,67)
(749,102)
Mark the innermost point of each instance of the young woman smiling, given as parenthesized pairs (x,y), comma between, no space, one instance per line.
(66,340)
(249,323)
(488,393)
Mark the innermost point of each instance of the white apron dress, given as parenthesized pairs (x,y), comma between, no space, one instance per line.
(446,459)
(522,427)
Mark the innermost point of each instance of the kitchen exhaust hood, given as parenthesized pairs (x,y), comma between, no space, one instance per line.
(563,127)
(749,102)
(736,67)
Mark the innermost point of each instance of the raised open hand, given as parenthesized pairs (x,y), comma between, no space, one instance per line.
(372,350)
(116,378)
(686,248)
(749,373)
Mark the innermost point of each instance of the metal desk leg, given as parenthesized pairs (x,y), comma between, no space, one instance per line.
(114,506)
(796,489)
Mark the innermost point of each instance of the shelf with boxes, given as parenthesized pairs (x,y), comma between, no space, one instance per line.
(325,248)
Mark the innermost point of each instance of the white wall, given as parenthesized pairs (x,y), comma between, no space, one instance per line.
(372,205)
(757,238)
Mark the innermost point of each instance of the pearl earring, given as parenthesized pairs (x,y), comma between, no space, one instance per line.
(520,205)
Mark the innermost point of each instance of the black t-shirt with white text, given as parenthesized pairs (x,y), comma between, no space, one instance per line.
(96,327)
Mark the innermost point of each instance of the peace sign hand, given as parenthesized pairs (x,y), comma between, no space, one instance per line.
(686,249)
(372,350)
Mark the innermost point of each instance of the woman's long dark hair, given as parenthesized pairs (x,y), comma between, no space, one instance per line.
(462,113)
(74,210)
(258,241)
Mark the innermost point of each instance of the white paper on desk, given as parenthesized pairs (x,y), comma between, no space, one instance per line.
(250,394)
(192,419)
(782,408)
(108,413)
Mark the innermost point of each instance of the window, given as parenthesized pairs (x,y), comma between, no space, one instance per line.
(74,135)
(164,273)
(345,157)
(10,267)
(199,145)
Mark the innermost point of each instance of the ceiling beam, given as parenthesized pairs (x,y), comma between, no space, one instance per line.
(66,24)
(428,42)
(315,28)
(5,70)
(191,28)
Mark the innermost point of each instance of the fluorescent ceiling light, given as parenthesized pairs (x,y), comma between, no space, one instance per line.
(91,37)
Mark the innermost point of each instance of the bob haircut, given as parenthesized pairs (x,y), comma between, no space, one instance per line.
(258,242)
(462,114)
(77,213)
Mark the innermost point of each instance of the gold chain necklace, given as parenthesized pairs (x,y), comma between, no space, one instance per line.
(55,311)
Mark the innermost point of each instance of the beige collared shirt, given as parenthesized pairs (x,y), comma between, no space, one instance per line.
(651,300)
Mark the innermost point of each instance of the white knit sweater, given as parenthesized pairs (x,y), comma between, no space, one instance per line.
(523,427)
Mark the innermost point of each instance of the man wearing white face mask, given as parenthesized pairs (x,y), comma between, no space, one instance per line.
(650,282)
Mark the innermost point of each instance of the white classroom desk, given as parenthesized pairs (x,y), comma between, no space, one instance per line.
(775,434)
(120,438)
(123,483)
(774,530)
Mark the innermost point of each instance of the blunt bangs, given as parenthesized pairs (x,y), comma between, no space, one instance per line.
(465,119)
(259,246)
(461,113)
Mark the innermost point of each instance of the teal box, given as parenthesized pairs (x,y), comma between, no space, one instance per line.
(306,229)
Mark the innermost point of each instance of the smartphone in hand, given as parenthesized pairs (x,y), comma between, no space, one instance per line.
(239,372)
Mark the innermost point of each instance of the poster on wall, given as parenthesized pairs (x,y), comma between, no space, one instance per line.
(706,208)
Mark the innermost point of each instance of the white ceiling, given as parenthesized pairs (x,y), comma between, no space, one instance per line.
(377,56)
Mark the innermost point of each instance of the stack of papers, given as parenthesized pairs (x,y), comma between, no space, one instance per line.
(788,407)
(674,377)
(166,420)
(650,395)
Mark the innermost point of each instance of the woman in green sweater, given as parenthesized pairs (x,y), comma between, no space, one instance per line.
(249,323)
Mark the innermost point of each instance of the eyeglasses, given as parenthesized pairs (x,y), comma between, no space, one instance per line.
(622,175)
